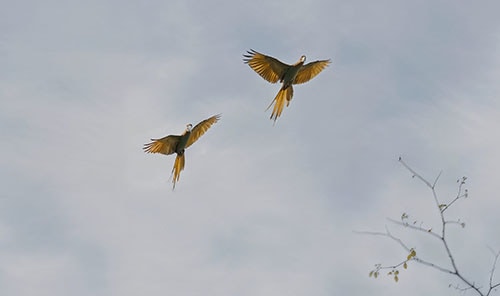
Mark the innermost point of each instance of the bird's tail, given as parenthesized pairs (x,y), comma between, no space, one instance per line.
(285,94)
(178,167)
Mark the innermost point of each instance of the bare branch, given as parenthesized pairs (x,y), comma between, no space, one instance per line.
(386,234)
(443,269)
(415,174)
(440,235)
(418,228)
(458,288)
(408,249)
(462,224)
(459,194)
(437,178)
(492,272)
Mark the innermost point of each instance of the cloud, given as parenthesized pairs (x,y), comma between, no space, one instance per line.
(259,209)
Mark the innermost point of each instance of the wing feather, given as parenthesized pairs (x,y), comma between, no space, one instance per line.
(165,145)
(267,67)
(201,128)
(309,71)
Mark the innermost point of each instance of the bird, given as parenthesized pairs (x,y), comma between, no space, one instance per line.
(179,143)
(273,70)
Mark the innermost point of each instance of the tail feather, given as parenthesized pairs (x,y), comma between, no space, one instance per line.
(178,167)
(279,101)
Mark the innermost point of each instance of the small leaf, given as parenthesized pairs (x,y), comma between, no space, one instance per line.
(396,279)
(411,255)
(375,274)
(405,266)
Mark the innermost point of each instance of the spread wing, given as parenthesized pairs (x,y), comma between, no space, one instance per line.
(201,128)
(309,71)
(164,145)
(268,67)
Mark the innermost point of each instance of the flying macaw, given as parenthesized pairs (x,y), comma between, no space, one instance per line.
(179,143)
(273,70)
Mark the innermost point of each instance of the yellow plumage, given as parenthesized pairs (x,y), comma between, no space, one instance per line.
(179,143)
(178,167)
(284,95)
(273,70)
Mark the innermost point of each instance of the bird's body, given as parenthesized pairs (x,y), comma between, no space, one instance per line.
(181,145)
(291,73)
(178,143)
(273,70)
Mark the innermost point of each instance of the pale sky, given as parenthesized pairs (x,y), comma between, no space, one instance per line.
(259,209)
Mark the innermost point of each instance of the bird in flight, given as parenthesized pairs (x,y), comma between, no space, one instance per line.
(179,143)
(273,70)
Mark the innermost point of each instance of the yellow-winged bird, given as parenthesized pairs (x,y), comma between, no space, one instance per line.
(178,143)
(273,70)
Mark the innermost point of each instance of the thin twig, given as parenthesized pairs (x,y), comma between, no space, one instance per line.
(492,272)
(408,249)
(418,228)
(414,173)
(437,178)
(459,195)
(456,222)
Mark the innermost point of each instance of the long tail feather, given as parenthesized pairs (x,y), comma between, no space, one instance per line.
(178,167)
(279,102)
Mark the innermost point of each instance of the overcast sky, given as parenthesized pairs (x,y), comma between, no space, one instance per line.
(259,209)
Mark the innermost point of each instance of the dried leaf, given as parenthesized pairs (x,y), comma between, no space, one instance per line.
(411,255)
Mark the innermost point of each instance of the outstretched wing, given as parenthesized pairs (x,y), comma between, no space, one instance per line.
(164,145)
(201,128)
(269,68)
(309,71)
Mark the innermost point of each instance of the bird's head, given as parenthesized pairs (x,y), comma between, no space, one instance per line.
(189,127)
(302,58)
